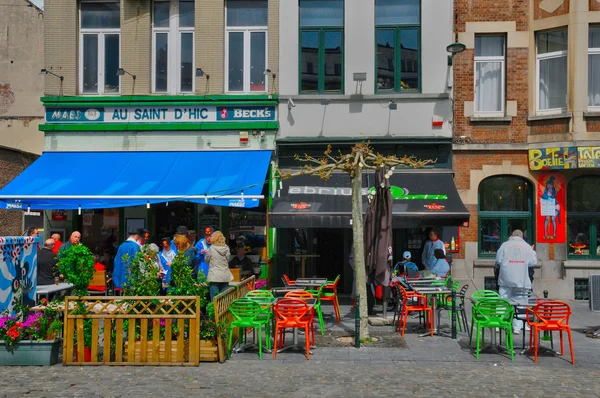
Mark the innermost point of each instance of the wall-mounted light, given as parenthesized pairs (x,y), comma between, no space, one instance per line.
(392,105)
(453,49)
(268,72)
(201,73)
(47,72)
(291,103)
(122,72)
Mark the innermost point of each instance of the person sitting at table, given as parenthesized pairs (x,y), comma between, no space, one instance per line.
(441,266)
(46,264)
(241,260)
(98,266)
(406,268)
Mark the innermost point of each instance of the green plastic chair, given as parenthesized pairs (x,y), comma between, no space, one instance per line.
(442,283)
(493,313)
(475,297)
(317,294)
(265,299)
(248,314)
(448,303)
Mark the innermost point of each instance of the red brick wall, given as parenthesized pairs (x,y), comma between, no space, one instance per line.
(561,10)
(551,126)
(463,163)
(594,5)
(12,163)
(593,125)
(491,10)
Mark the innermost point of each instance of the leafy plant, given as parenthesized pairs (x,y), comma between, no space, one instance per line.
(143,274)
(43,325)
(182,282)
(77,265)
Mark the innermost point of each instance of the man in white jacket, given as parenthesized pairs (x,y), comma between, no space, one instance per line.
(515,257)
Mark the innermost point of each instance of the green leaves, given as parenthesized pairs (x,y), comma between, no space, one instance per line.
(143,274)
(77,265)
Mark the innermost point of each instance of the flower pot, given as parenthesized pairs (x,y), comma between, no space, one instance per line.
(208,351)
(30,352)
(87,354)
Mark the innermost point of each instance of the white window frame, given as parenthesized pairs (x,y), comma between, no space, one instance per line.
(174,32)
(501,59)
(247,31)
(542,57)
(101,33)
(593,51)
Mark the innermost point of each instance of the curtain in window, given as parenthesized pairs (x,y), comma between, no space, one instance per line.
(553,83)
(488,82)
(594,79)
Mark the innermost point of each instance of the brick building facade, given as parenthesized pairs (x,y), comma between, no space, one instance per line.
(526,82)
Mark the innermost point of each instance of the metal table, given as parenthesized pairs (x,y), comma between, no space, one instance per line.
(295,346)
(436,291)
(47,290)
(282,291)
(310,283)
(529,302)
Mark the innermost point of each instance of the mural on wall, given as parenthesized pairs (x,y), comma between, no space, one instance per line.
(551,210)
(18,269)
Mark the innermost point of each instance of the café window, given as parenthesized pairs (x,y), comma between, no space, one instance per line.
(321,46)
(583,218)
(551,60)
(397,35)
(594,67)
(99,47)
(505,204)
(173,46)
(246,46)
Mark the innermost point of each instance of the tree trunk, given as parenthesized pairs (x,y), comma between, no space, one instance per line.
(359,252)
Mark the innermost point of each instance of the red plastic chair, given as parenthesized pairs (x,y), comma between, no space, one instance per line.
(420,306)
(310,316)
(330,294)
(291,314)
(552,316)
(287,280)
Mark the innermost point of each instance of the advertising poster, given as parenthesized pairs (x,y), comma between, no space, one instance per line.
(551,211)
(59,215)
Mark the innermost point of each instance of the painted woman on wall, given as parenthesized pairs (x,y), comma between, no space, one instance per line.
(550,194)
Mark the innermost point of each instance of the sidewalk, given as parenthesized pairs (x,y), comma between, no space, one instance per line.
(444,349)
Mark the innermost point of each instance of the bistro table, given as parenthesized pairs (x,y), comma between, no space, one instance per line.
(303,258)
(295,346)
(282,291)
(436,291)
(47,290)
(528,302)
(311,283)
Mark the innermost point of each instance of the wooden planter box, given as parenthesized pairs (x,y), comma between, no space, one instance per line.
(30,353)
(161,352)
(208,351)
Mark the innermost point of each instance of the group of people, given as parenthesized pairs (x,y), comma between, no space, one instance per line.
(208,257)
(47,258)
(433,259)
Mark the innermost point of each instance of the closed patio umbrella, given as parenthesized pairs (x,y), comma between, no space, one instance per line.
(378,234)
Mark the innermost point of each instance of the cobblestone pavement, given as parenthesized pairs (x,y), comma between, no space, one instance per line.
(428,367)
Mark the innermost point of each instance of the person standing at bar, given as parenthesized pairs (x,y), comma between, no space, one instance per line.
(125,256)
(428,257)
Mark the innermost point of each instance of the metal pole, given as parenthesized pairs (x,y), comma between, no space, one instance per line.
(357,323)
(384,298)
(546,333)
(453,296)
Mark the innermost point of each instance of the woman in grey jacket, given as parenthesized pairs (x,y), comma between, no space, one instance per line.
(217,258)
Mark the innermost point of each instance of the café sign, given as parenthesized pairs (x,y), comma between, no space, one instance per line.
(160,114)
(583,157)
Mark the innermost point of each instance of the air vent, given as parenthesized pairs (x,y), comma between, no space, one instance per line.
(594,296)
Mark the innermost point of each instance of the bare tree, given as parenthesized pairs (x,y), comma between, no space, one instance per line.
(360,157)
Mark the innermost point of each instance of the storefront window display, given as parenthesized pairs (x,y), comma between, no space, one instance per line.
(583,215)
(505,204)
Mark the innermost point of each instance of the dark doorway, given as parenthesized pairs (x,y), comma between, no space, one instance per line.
(329,245)
(168,218)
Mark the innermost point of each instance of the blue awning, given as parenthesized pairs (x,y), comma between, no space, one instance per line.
(96,180)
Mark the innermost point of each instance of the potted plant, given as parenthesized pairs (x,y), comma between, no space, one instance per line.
(30,338)
(77,265)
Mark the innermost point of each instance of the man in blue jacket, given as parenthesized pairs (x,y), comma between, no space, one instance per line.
(130,248)
(202,246)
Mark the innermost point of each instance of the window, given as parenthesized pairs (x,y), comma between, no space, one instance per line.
(583,218)
(246,46)
(582,288)
(321,46)
(489,74)
(397,35)
(505,204)
(489,283)
(552,70)
(99,47)
(594,66)
(173,47)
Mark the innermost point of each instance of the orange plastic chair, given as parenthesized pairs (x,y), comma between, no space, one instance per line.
(420,306)
(287,280)
(291,314)
(310,316)
(552,316)
(330,294)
